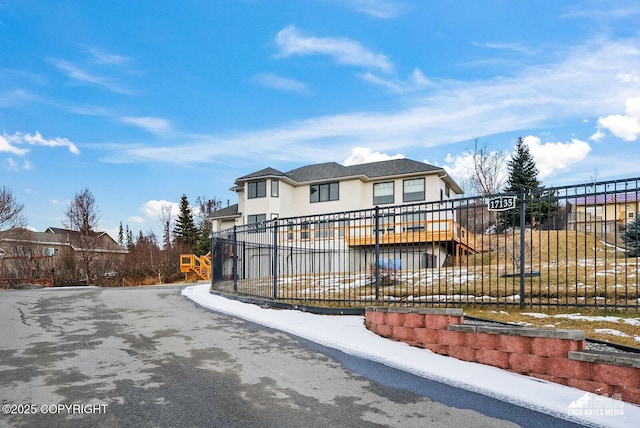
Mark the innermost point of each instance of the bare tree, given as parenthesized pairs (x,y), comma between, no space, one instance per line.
(11,212)
(165,221)
(83,216)
(488,169)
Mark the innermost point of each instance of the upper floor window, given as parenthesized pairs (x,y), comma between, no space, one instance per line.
(383,193)
(275,188)
(325,192)
(413,190)
(257,189)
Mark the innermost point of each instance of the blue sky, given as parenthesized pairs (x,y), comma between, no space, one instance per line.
(142,101)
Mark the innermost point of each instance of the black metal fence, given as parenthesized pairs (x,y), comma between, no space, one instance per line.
(563,246)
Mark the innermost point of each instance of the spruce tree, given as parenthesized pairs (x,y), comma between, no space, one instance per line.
(631,238)
(121,236)
(523,177)
(185,231)
(523,172)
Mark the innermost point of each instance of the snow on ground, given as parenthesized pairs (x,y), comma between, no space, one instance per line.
(348,334)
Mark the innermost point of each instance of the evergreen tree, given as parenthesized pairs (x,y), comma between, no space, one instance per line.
(206,207)
(121,236)
(185,231)
(129,238)
(523,177)
(631,238)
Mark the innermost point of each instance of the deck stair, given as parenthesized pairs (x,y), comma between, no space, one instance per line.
(195,267)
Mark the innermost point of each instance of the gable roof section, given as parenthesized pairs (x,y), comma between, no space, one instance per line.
(266,172)
(333,170)
(226,212)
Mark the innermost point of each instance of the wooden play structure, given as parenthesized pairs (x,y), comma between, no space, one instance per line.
(195,268)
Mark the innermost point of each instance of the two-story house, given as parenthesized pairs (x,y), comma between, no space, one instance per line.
(330,187)
(404,207)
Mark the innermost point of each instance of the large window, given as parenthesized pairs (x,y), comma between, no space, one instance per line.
(413,190)
(325,192)
(383,193)
(257,189)
(257,221)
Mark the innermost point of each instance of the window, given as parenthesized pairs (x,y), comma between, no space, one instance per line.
(447,191)
(275,188)
(257,189)
(289,230)
(323,230)
(256,221)
(386,223)
(304,232)
(413,190)
(415,222)
(325,192)
(383,193)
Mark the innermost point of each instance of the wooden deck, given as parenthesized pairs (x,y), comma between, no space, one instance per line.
(438,232)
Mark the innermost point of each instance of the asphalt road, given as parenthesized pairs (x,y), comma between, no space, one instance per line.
(148,357)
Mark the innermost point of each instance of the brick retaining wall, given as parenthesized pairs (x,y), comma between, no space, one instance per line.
(551,354)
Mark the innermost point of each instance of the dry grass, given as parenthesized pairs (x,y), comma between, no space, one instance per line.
(556,318)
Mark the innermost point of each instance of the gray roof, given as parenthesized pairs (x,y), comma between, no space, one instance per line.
(607,198)
(230,211)
(333,170)
(267,172)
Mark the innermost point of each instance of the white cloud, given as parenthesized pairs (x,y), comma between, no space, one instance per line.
(152,209)
(553,157)
(626,127)
(365,155)
(76,73)
(7,146)
(9,143)
(377,8)
(416,81)
(154,125)
(12,165)
(136,219)
(516,47)
(280,83)
(102,57)
(460,167)
(344,51)
(37,140)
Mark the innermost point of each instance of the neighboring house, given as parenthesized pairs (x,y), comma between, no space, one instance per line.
(55,251)
(603,213)
(414,199)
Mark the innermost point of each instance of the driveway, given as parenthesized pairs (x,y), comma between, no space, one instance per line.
(148,357)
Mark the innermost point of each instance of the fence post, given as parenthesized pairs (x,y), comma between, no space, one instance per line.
(377,249)
(212,251)
(274,262)
(523,207)
(234,262)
